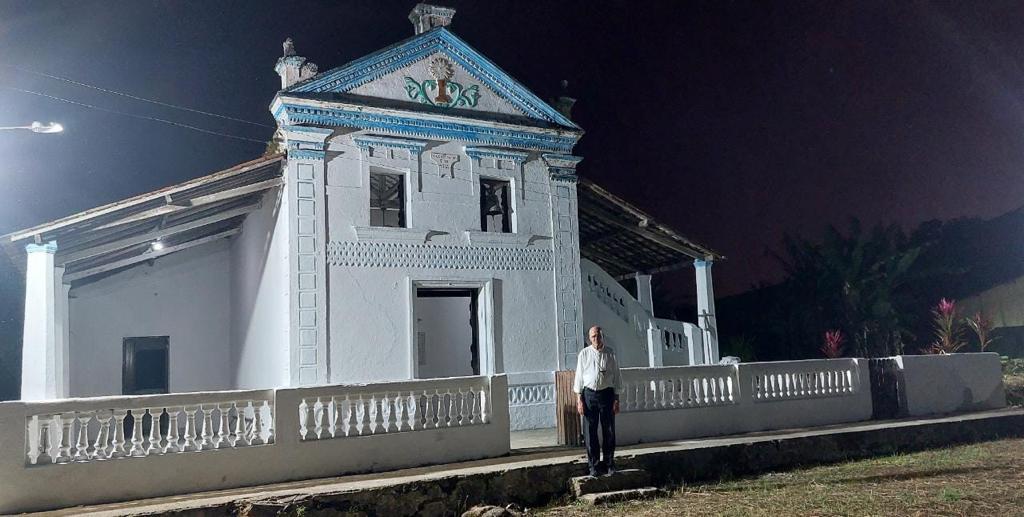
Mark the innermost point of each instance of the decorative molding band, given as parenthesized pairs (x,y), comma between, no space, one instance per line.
(378,64)
(364,142)
(561,161)
(477,153)
(431,256)
(531,394)
(425,128)
(308,129)
(306,154)
(46,247)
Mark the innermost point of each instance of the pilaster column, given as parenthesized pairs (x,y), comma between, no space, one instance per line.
(655,347)
(39,358)
(305,180)
(566,256)
(643,292)
(706,310)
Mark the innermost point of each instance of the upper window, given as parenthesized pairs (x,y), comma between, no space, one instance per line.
(495,214)
(145,365)
(387,200)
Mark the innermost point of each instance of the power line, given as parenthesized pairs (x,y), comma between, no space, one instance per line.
(143,117)
(135,97)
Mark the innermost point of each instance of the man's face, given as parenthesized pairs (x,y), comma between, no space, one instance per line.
(595,338)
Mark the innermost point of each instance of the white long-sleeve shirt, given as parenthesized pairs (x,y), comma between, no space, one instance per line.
(597,370)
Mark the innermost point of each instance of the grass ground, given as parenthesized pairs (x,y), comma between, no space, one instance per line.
(977,479)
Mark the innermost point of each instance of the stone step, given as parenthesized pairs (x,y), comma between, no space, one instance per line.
(617,496)
(621,480)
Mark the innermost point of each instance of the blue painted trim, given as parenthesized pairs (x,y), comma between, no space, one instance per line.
(403,54)
(703,263)
(500,154)
(46,247)
(427,128)
(366,141)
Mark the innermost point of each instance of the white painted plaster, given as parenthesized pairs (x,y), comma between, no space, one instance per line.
(260,297)
(935,384)
(184,295)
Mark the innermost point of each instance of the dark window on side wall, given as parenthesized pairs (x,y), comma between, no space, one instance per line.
(495,214)
(387,200)
(145,365)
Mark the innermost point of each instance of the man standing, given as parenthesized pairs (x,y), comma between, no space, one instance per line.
(598,384)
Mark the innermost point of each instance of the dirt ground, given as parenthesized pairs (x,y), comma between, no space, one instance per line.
(979,479)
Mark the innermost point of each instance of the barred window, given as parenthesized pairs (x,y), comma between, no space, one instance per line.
(387,200)
(495,214)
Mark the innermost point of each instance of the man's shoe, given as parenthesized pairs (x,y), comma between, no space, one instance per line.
(593,473)
(611,470)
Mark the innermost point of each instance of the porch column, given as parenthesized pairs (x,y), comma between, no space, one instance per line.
(655,347)
(62,323)
(39,357)
(566,257)
(643,292)
(706,310)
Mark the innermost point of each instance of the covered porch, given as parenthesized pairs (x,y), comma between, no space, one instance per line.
(620,242)
(146,295)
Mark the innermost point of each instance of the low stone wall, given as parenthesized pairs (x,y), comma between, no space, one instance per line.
(937,384)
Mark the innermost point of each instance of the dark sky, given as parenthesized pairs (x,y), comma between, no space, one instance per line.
(734,122)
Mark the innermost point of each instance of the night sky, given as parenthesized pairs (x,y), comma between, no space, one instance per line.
(734,122)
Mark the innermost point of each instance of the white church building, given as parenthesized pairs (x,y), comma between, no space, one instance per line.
(424,220)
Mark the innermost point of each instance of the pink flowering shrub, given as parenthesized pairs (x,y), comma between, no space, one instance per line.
(948,330)
(834,344)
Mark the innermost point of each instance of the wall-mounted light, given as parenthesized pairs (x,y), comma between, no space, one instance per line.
(157,245)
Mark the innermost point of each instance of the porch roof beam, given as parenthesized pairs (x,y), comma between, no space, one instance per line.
(85,273)
(643,232)
(173,206)
(154,235)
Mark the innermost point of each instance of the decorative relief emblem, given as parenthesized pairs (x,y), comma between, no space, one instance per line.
(445,163)
(441,90)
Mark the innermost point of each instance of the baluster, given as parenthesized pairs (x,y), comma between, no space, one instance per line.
(428,411)
(336,419)
(256,433)
(118,442)
(172,444)
(222,439)
(206,435)
(101,448)
(45,455)
(453,411)
(190,429)
(136,449)
(364,416)
(392,422)
(463,417)
(378,414)
(405,416)
(82,444)
(319,412)
(154,431)
(304,420)
(67,422)
(352,429)
(485,407)
(268,421)
(238,433)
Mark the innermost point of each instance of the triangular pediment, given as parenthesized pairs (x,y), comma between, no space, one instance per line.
(414,71)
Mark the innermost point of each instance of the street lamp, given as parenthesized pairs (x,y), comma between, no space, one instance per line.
(39,127)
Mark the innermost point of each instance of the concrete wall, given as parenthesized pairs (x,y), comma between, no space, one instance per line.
(184,295)
(40,487)
(935,384)
(259,297)
(1003,304)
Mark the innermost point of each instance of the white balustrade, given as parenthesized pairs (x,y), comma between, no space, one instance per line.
(673,334)
(349,411)
(99,429)
(647,389)
(789,380)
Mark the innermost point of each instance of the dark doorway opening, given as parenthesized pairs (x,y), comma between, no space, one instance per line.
(447,332)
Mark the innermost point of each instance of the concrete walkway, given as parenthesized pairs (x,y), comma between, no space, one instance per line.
(537,476)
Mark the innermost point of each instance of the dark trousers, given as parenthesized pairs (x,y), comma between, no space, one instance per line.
(597,411)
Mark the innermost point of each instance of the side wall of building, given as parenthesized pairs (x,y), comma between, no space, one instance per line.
(259,297)
(185,295)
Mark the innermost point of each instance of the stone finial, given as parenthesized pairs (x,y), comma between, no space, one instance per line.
(426,16)
(293,68)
